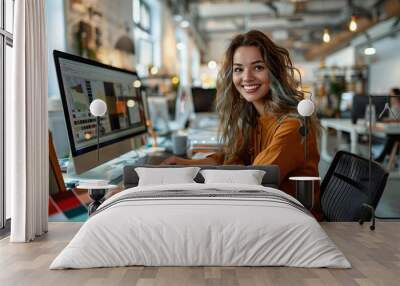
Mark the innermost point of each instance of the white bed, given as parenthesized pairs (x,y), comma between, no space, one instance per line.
(268,228)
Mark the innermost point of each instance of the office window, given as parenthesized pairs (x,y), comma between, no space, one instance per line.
(9,13)
(182,47)
(144,38)
(6,64)
(142,15)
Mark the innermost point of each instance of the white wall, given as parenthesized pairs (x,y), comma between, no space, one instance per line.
(169,56)
(208,76)
(385,69)
(184,57)
(191,51)
(384,65)
(307,71)
(216,48)
(342,58)
(157,8)
(185,62)
(55,40)
(196,77)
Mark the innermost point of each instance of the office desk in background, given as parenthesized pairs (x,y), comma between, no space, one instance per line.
(341,125)
(345,125)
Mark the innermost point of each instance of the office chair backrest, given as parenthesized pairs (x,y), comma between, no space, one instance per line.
(346,188)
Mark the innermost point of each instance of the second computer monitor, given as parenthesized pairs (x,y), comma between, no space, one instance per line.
(204,99)
(360,103)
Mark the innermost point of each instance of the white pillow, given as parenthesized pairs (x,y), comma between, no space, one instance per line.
(163,176)
(248,177)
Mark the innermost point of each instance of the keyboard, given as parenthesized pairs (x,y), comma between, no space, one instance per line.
(152,159)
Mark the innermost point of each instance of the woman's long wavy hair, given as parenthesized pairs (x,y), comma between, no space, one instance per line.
(237,116)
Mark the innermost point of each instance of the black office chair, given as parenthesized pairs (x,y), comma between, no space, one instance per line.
(345,191)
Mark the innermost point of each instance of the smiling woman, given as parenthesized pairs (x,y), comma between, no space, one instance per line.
(257,99)
(250,76)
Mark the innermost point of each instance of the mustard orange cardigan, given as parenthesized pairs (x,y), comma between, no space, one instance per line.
(280,143)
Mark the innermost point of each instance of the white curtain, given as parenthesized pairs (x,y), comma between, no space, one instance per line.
(27,158)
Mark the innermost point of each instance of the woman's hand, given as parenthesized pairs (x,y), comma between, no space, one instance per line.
(172,160)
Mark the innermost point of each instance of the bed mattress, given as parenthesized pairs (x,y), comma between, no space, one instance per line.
(201,225)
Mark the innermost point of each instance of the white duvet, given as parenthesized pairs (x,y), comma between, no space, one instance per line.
(200,231)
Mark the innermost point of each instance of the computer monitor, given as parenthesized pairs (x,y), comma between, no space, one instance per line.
(204,99)
(144,94)
(158,113)
(183,108)
(346,103)
(360,103)
(81,81)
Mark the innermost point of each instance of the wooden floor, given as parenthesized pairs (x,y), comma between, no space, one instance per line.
(375,256)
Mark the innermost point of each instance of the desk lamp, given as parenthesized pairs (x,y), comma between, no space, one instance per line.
(305,108)
(98,108)
(305,185)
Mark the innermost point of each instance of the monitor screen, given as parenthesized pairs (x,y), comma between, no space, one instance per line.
(204,99)
(360,103)
(183,108)
(81,81)
(346,103)
(158,113)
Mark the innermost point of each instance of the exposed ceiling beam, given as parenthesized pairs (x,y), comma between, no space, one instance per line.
(391,9)
(180,7)
(338,40)
(327,13)
(305,27)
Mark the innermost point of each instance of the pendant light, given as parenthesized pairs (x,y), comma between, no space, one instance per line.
(353,24)
(326,37)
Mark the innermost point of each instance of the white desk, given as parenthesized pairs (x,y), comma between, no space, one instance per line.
(340,125)
(345,125)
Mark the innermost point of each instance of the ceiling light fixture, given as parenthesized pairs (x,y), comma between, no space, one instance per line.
(180,46)
(326,37)
(185,24)
(130,103)
(369,51)
(175,80)
(353,24)
(212,65)
(154,70)
(178,18)
(137,83)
